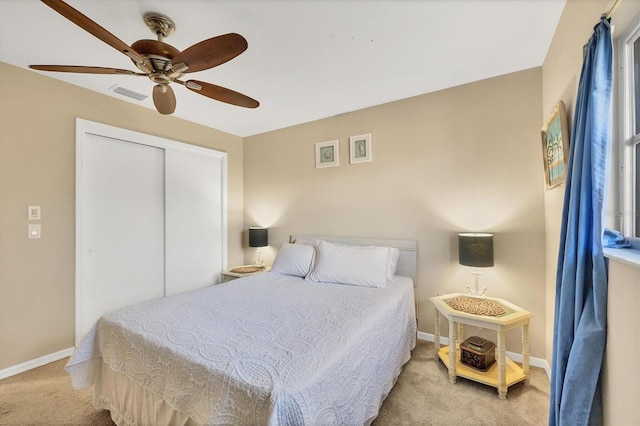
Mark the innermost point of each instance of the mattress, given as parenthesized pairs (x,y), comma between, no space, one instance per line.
(262,350)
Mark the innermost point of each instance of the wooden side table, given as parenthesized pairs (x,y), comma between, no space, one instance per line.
(228,275)
(504,372)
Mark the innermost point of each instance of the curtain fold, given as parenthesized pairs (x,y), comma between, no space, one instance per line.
(580,327)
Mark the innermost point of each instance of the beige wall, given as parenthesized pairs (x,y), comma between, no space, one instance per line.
(463,159)
(37,164)
(621,377)
(560,77)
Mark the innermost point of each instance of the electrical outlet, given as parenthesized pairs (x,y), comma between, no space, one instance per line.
(34,231)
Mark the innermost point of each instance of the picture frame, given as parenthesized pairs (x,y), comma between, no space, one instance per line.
(327,154)
(555,146)
(360,149)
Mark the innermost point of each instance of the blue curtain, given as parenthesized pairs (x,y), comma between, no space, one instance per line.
(580,328)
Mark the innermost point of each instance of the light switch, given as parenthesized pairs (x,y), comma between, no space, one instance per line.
(34,230)
(33,213)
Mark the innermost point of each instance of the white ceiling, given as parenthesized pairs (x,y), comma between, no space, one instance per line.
(307,59)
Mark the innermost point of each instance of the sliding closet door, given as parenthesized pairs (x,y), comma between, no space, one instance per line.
(122,228)
(150,219)
(194,220)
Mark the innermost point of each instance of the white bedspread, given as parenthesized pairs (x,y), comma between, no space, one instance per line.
(265,349)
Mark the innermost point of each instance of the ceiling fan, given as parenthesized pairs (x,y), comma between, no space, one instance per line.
(162,63)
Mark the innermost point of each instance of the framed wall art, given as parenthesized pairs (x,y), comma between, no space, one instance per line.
(555,146)
(327,154)
(360,149)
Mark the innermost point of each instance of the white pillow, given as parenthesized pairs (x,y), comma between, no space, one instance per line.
(356,265)
(392,262)
(294,259)
(311,243)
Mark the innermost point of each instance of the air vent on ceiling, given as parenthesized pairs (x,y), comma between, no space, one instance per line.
(130,93)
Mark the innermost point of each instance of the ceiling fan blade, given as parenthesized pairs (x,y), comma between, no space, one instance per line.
(85,70)
(220,93)
(211,52)
(164,99)
(91,27)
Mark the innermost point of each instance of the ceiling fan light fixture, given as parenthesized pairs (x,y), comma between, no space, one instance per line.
(179,67)
(192,85)
(134,57)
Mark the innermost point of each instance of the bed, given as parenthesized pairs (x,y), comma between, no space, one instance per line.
(300,345)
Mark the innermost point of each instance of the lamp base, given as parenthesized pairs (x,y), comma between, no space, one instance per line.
(476,293)
(259,261)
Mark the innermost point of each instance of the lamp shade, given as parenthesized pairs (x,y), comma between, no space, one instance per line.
(258,237)
(475,249)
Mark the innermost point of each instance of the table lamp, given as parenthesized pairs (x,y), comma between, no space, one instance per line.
(475,250)
(258,237)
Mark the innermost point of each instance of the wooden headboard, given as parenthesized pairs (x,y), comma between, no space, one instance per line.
(407,262)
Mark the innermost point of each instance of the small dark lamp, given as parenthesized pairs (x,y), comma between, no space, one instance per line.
(258,237)
(475,250)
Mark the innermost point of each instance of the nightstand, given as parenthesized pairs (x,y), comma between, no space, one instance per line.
(505,372)
(237,272)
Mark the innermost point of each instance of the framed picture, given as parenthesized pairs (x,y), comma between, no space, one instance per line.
(360,148)
(327,154)
(555,146)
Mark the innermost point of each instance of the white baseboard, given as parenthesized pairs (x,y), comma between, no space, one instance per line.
(517,357)
(38,362)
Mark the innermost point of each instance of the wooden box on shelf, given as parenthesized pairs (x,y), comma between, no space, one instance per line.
(478,353)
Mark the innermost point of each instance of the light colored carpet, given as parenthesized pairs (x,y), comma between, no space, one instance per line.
(421,396)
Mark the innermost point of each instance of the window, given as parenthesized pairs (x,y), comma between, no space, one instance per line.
(629,95)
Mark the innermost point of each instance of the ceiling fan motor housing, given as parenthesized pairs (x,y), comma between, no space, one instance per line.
(159,55)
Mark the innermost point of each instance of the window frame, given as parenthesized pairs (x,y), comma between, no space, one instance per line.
(630,204)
